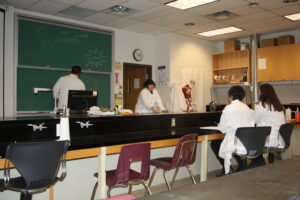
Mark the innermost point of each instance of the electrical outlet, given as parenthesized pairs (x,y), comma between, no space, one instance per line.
(173,122)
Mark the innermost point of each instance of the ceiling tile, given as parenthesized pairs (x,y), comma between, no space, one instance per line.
(140,27)
(161,1)
(21,4)
(178,17)
(248,19)
(263,22)
(157,30)
(217,6)
(275,28)
(49,7)
(246,10)
(287,10)
(211,26)
(100,18)
(140,4)
(273,4)
(198,24)
(77,11)
(100,4)
(121,22)
(148,14)
(69,2)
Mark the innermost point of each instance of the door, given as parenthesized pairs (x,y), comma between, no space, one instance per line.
(134,79)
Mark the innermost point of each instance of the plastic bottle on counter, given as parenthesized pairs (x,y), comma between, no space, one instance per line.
(297,115)
(288,115)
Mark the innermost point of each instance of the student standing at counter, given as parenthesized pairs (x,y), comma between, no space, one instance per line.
(235,115)
(66,83)
(149,100)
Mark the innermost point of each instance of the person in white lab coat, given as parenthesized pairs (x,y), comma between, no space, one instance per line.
(269,112)
(235,115)
(149,100)
(66,83)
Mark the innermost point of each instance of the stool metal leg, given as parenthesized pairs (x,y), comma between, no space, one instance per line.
(94,191)
(26,196)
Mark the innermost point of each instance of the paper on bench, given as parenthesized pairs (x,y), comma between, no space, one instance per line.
(63,129)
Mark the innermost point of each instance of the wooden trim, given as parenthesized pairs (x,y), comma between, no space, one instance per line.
(83,153)
(297,126)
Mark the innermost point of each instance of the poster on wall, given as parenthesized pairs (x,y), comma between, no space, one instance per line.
(118,83)
(162,79)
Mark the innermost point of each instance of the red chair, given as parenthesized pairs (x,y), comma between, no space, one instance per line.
(184,156)
(123,176)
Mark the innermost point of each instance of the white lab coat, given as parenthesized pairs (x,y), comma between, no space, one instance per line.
(235,115)
(146,100)
(177,101)
(265,117)
(62,87)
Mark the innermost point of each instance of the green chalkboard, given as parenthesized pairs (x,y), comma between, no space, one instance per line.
(46,50)
(49,45)
(27,79)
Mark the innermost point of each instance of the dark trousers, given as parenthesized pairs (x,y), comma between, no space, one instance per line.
(215,146)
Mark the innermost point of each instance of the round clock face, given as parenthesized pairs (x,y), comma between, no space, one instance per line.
(138,54)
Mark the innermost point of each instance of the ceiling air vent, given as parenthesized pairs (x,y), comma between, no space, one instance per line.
(119,10)
(222,15)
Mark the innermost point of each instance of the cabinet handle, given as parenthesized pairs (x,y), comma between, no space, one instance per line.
(39,127)
(84,124)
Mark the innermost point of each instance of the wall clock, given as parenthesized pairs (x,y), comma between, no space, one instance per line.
(138,54)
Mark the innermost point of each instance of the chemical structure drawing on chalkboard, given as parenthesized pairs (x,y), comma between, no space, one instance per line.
(44,35)
(95,59)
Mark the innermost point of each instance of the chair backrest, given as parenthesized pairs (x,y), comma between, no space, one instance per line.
(129,154)
(253,139)
(286,132)
(37,162)
(185,152)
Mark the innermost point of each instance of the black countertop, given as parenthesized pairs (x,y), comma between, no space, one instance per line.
(106,130)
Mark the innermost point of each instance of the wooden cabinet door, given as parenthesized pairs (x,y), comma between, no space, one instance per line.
(264,74)
(293,61)
(282,63)
(279,68)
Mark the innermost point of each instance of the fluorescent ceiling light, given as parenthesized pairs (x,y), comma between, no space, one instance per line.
(293,17)
(221,31)
(185,4)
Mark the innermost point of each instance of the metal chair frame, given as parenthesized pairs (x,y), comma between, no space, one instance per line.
(176,168)
(130,184)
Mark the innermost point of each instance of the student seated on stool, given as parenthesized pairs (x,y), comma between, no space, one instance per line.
(235,115)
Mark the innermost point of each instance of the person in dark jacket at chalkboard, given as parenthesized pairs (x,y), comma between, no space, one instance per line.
(66,83)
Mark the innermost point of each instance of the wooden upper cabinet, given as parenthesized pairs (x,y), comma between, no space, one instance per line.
(282,63)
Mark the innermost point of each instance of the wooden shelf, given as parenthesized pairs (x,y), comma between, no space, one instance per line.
(232,52)
(229,67)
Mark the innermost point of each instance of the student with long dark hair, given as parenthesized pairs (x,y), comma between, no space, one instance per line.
(269,112)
